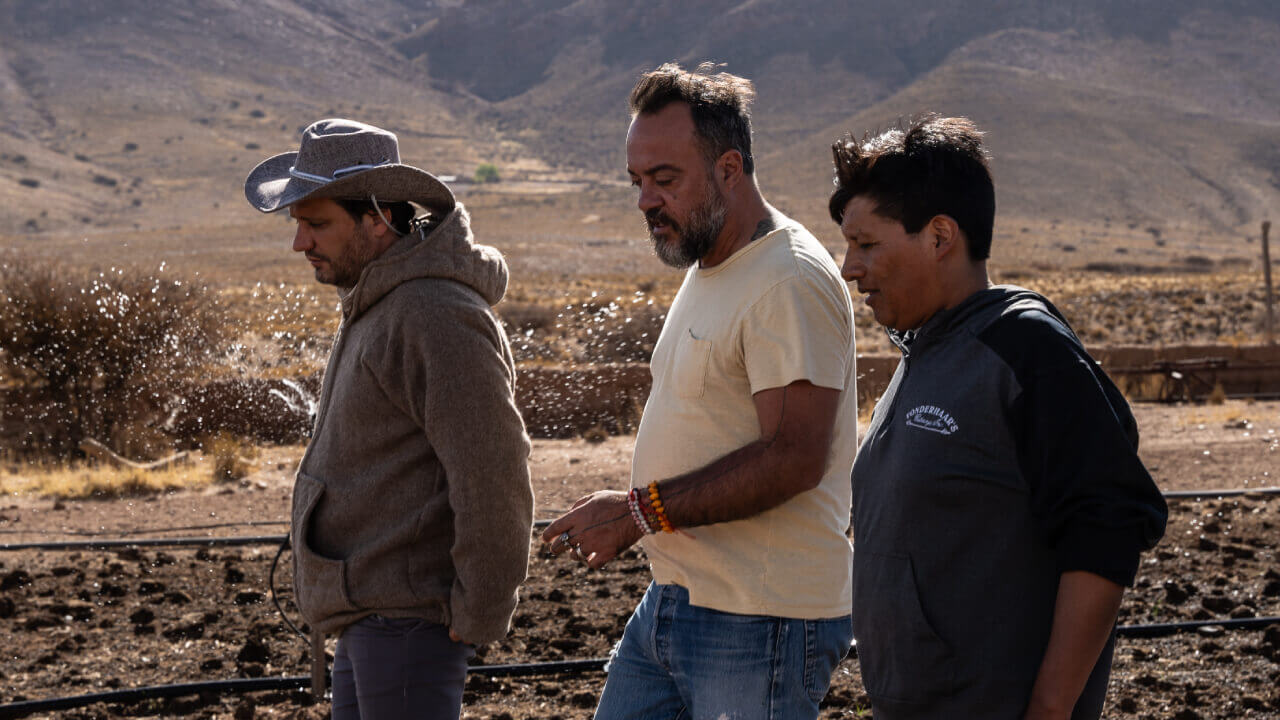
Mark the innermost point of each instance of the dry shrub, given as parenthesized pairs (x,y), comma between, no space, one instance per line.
(592,331)
(232,457)
(1146,387)
(1217,396)
(618,331)
(595,434)
(90,354)
(560,402)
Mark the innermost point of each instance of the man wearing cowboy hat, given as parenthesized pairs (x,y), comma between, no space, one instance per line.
(412,506)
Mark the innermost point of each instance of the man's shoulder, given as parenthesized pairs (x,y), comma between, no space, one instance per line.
(1029,334)
(793,252)
(432,306)
(436,292)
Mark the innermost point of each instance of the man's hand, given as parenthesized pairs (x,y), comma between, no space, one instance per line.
(454,637)
(598,527)
(1083,616)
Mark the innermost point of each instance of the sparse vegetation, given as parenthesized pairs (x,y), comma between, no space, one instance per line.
(232,457)
(89,481)
(487,173)
(91,354)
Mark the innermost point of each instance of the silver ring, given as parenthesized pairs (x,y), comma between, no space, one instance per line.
(561,541)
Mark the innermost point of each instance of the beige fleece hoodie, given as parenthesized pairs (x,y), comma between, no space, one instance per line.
(413,497)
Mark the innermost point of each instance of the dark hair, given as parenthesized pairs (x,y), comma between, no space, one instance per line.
(932,166)
(719,103)
(399,213)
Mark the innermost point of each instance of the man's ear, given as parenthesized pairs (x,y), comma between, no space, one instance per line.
(946,235)
(376,225)
(729,168)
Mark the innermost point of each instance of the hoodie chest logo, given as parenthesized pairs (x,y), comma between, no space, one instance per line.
(933,419)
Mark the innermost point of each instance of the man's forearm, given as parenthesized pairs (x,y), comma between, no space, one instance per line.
(1083,616)
(743,483)
(796,424)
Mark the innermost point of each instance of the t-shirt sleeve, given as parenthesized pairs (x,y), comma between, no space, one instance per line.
(1078,450)
(799,329)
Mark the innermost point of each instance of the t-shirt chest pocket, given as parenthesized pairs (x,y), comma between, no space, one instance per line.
(689,366)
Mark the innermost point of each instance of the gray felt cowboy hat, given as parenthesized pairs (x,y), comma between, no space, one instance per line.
(344,159)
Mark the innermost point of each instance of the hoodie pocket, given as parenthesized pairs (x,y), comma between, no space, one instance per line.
(903,660)
(320,583)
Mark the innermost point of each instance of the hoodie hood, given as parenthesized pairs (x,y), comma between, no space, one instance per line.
(445,250)
(978,310)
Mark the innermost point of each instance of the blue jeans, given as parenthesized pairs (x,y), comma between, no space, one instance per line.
(392,668)
(676,660)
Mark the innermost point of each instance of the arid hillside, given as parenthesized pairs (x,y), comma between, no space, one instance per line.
(1131,128)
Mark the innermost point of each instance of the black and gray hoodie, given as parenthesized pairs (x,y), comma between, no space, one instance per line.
(1000,457)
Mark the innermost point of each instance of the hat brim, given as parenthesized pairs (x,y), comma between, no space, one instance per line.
(270,187)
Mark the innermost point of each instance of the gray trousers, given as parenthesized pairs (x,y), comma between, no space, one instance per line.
(398,668)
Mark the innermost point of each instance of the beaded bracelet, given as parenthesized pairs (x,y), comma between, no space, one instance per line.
(656,502)
(637,512)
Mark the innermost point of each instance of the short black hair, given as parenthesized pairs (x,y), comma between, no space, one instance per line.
(920,169)
(720,104)
(399,213)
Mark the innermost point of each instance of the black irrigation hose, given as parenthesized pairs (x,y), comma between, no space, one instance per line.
(271,583)
(277,539)
(1163,629)
(247,685)
(133,695)
(1198,494)
(142,531)
(563,667)
(164,542)
(156,542)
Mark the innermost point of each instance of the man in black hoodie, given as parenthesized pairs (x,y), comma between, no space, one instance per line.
(999,505)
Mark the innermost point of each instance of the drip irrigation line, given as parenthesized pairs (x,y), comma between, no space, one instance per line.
(563,667)
(248,685)
(160,542)
(1195,494)
(1163,629)
(154,542)
(133,695)
(271,583)
(142,531)
(277,539)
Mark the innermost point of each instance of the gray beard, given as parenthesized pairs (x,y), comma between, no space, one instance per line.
(694,241)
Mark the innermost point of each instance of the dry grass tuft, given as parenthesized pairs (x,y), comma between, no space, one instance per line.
(93,482)
(231,457)
(1217,396)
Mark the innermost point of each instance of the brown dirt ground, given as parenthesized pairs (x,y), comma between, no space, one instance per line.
(88,621)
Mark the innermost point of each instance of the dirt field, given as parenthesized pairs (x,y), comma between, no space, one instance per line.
(89,621)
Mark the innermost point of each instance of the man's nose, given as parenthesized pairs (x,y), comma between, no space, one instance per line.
(302,241)
(648,198)
(853,268)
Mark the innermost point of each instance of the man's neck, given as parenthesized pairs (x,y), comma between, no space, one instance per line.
(970,280)
(743,225)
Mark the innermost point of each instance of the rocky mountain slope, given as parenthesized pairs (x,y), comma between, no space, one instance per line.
(1120,119)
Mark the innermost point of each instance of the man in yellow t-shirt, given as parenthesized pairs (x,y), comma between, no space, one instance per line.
(740,481)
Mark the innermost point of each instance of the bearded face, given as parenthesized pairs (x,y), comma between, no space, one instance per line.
(681,244)
(344,269)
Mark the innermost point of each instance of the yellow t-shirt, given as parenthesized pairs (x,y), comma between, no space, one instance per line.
(773,313)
